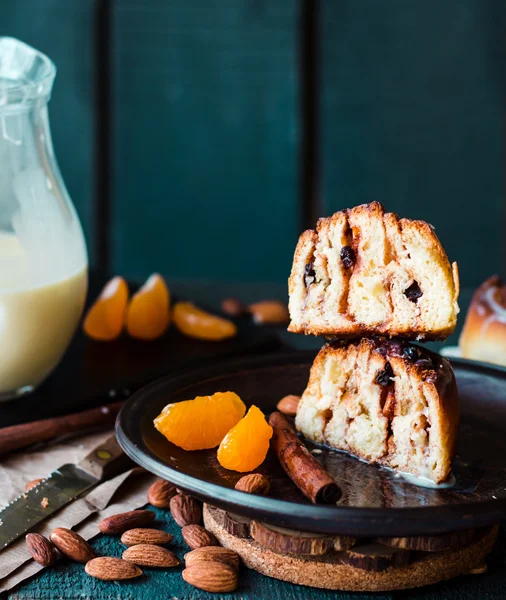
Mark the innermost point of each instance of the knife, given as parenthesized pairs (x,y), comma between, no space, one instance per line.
(60,488)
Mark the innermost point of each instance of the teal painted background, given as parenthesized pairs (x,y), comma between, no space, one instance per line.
(206,139)
(206,124)
(413,115)
(64,30)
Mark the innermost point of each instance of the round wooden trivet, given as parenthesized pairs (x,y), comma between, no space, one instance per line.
(328,572)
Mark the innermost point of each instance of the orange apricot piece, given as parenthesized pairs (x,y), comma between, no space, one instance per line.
(148,314)
(197,323)
(106,318)
(202,422)
(245,446)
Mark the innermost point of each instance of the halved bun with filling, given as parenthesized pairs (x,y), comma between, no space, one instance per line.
(384,401)
(364,271)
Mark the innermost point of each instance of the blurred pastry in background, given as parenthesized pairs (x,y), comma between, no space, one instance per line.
(484,334)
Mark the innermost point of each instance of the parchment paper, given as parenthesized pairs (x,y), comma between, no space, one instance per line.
(125,492)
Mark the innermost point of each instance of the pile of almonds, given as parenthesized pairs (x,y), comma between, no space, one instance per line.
(208,566)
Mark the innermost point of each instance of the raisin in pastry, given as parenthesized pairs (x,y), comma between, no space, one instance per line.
(386,402)
(367,272)
(484,334)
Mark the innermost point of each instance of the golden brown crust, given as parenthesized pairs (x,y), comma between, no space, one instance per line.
(391,254)
(483,336)
(304,249)
(305,246)
(456,279)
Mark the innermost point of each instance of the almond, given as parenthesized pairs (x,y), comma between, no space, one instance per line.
(160,493)
(212,554)
(111,569)
(116,524)
(148,555)
(72,545)
(479,570)
(41,549)
(185,510)
(32,484)
(132,537)
(269,311)
(288,405)
(198,537)
(212,577)
(255,483)
(232,307)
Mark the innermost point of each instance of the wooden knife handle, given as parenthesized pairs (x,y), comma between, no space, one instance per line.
(26,434)
(105,460)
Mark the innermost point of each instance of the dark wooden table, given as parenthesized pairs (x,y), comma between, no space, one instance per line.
(68,580)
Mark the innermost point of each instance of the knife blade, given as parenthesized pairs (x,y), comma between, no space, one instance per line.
(59,489)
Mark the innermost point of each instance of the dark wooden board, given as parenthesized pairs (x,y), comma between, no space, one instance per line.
(374,502)
(67,579)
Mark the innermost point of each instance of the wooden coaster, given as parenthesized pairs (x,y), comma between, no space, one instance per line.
(327,571)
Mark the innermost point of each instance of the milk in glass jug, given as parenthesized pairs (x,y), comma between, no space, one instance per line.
(43,259)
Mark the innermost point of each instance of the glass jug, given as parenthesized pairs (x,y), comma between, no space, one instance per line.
(43,259)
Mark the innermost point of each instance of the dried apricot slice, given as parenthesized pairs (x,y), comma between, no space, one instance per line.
(202,422)
(148,314)
(106,318)
(245,446)
(197,323)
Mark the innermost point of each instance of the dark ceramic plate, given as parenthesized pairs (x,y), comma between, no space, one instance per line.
(374,502)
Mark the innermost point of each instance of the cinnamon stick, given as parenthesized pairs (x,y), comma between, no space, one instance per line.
(300,465)
(26,434)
